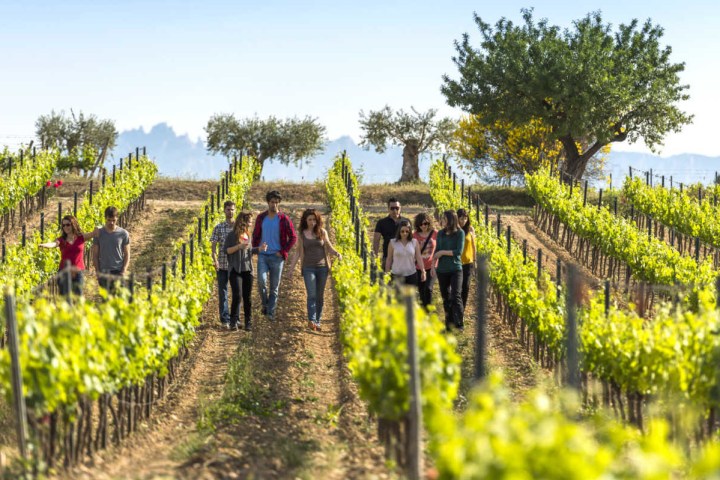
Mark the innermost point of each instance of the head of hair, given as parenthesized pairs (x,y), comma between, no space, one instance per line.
(451,222)
(111,212)
(273,195)
(403,223)
(75,226)
(463,213)
(242,224)
(228,203)
(318,221)
(419,219)
(392,200)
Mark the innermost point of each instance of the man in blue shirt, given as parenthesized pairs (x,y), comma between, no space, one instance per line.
(274,229)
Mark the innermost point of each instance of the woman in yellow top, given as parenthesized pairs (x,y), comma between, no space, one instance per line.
(467,258)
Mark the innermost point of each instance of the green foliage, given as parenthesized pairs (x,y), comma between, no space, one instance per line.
(650,259)
(676,209)
(27,267)
(26,177)
(416,132)
(671,358)
(287,141)
(374,331)
(88,349)
(584,83)
(84,139)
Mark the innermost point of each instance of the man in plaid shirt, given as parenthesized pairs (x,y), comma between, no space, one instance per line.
(219,234)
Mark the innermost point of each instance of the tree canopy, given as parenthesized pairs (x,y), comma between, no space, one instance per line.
(288,141)
(416,132)
(590,86)
(85,139)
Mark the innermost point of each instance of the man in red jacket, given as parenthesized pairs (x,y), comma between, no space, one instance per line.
(274,229)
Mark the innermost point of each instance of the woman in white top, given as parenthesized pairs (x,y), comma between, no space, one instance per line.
(404,260)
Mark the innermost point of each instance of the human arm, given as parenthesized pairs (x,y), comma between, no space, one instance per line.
(388,260)
(376,242)
(126,258)
(297,257)
(471,239)
(419,265)
(95,256)
(53,244)
(94,234)
(329,246)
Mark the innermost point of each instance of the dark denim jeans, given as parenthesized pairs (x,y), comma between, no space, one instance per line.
(315,280)
(108,283)
(77,284)
(269,266)
(223,278)
(451,290)
(425,288)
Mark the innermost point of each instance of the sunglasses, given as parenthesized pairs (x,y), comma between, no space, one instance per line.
(424,223)
(394,208)
(66,224)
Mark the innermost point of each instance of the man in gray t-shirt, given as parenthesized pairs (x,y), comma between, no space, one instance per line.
(113,250)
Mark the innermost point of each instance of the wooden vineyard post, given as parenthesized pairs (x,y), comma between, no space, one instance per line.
(414,451)
(18,398)
(481,333)
(573,356)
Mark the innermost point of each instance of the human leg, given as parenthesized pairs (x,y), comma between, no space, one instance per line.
(263,269)
(321,280)
(246,287)
(310,277)
(444,285)
(275,265)
(223,277)
(456,302)
(235,304)
(467,274)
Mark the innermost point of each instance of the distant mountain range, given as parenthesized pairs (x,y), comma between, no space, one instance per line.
(180,156)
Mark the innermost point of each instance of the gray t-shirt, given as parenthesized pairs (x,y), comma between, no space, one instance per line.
(111,245)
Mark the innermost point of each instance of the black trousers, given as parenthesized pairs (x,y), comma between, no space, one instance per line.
(405,279)
(241,284)
(451,291)
(467,275)
(425,288)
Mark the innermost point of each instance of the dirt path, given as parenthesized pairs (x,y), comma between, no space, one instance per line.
(297,414)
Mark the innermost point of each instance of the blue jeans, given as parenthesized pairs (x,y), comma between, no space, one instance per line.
(269,266)
(315,279)
(77,284)
(223,278)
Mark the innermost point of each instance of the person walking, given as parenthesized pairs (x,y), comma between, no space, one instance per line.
(426,236)
(72,251)
(220,260)
(312,253)
(448,269)
(403,259)
(239,253)
(274,229)
(113,252)
(467,258)
(386,228)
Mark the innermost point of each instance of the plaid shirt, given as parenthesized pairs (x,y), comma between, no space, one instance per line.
(220,233)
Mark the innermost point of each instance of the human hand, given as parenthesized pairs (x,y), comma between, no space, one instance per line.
(263,247)
(433,273)
(216,264)
(278,254)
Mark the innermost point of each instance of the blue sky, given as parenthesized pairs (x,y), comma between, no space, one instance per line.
(145,62)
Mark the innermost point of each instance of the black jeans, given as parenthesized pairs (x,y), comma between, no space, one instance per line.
(241,282)
(425,288)
(467,275)
(451,291)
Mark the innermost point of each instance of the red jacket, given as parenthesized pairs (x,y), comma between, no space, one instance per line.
(288,237)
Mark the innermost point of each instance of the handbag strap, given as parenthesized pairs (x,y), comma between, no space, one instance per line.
(426,242)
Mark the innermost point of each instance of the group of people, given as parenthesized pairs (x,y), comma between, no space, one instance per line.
(421,256)
(414,253)
(272,239)
(110,253)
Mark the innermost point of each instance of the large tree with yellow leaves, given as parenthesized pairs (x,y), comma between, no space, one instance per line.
(584,83)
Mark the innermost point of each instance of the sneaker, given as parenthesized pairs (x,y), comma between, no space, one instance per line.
(264,310)
(248,327)
(225,325)
(234,326)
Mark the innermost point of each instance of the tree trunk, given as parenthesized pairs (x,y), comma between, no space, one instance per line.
(575,163)
(410,167)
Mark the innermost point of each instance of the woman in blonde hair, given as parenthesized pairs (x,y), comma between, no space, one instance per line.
(239,251)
